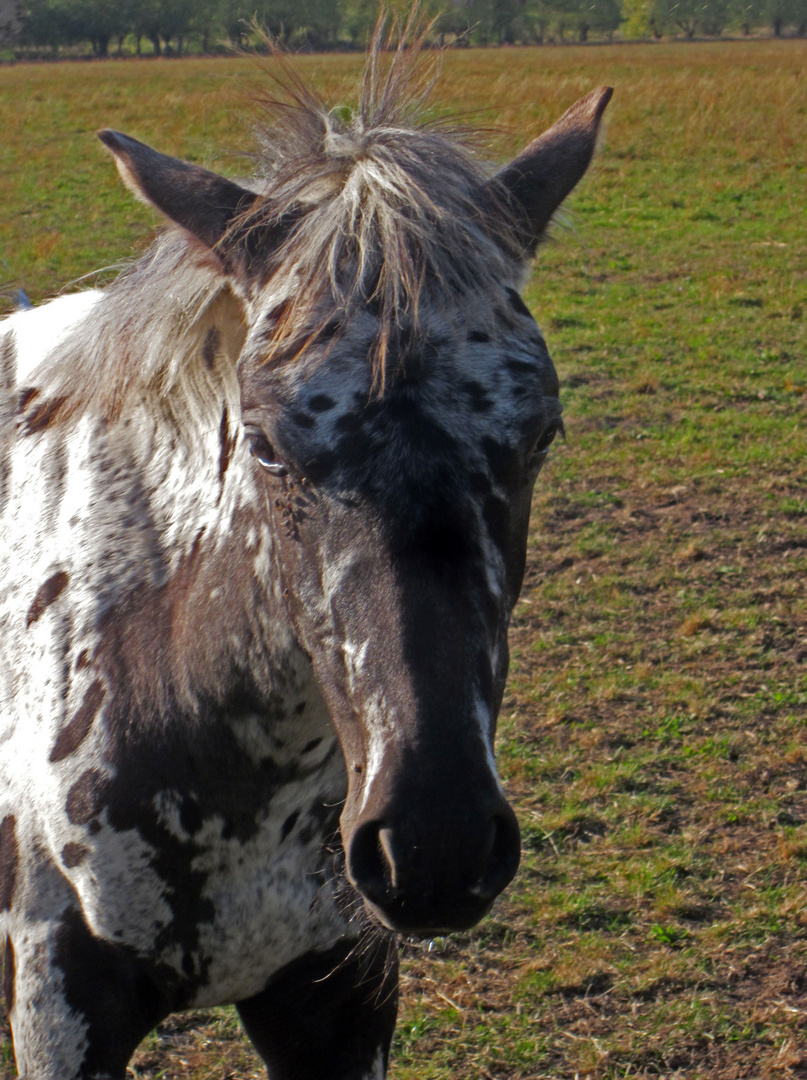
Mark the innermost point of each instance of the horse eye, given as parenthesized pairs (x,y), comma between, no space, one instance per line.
(542,446)
(261,449)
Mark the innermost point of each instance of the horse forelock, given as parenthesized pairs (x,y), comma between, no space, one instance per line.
(382,209)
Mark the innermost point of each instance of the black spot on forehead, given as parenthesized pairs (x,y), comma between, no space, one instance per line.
(303,419)
(517,304)
(478,336)
(321,403)
(541,369)
(349,422)
(520,367)
(480,402)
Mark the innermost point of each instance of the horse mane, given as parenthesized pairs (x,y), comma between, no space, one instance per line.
(167,329)
(381,208)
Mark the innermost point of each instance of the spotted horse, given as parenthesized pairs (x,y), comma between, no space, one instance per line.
(265,503)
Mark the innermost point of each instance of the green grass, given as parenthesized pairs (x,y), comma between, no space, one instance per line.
(652,736)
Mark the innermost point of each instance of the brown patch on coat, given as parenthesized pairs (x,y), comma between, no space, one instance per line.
(8,379)
(76,731)
(8,975)
(26,397)
(227,443)
(211,346)
(42,416)
(73,854)
(48,591)
(87,797)
(9,861)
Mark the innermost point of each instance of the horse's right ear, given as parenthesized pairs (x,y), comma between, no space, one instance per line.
(198,200)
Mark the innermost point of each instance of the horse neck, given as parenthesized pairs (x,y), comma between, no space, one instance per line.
(194,621)
(187,600)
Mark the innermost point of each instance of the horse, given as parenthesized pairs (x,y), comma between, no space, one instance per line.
(265,501)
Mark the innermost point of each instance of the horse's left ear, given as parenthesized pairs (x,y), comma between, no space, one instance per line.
(541,177)
(200,201)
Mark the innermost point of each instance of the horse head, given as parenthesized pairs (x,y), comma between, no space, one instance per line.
(398,401)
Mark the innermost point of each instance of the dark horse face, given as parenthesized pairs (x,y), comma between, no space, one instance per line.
(398,516)
(401,528)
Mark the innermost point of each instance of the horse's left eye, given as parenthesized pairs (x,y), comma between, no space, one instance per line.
(262,450)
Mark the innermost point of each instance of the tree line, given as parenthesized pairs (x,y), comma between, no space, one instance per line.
(174,27)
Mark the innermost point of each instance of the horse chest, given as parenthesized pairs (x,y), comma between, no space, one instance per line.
(218,870)
(267,891)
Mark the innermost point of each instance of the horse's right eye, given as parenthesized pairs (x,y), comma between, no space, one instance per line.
(263,452)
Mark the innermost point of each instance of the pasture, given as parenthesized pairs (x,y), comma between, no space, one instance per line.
(652,736)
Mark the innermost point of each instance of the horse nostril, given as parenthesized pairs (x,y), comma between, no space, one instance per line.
(444,880)
(370,861)
(503,855)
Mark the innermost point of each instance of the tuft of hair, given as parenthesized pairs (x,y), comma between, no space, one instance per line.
(381,206)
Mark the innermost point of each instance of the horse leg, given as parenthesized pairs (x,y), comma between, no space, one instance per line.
(328,1016)
(78,1006)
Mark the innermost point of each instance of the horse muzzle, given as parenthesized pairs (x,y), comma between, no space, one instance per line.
(438,877)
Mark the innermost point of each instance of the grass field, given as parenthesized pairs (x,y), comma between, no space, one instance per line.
(653,734)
